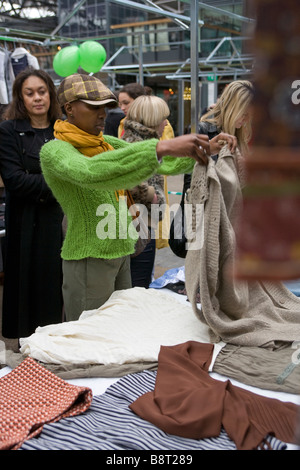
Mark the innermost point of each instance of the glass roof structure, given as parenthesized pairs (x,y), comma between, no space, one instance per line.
(187,45)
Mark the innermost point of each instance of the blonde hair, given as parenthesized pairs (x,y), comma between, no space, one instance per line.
(233,103)
(149,110)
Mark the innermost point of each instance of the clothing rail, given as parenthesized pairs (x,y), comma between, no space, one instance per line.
(28,41)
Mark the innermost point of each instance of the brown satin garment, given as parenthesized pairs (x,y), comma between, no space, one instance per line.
(188,402)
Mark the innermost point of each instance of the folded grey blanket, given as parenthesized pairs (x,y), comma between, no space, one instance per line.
(277,370)
(76,371)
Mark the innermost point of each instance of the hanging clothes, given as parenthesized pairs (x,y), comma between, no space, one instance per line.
(21,59)
(6,77)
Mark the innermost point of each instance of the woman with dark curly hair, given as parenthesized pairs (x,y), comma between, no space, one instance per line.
(33,218)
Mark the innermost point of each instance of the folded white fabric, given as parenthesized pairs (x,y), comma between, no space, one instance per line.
(130,327)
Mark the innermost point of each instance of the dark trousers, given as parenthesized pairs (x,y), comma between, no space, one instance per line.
(141,266)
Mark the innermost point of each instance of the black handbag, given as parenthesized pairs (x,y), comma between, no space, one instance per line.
(177,238)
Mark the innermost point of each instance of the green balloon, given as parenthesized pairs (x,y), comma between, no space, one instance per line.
(66,61)
(92,56)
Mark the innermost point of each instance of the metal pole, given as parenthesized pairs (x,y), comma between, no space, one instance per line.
(75,9)
(180,23)
(194,65)
(141,68)
(180,125)
(227,13)
(139,6)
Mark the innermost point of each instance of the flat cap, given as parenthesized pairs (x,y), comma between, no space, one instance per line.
(86,88)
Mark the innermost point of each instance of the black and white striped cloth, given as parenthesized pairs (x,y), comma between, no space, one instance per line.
(109,425)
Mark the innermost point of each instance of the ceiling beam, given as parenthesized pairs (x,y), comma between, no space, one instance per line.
(150,9)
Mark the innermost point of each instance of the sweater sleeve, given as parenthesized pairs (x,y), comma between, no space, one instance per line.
(176,166)
(169,165)
(122,168)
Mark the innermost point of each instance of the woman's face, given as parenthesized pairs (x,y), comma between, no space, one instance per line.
(242,120)
(36,97)
(124,102)
(87,117)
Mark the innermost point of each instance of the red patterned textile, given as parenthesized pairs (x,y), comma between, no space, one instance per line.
(31,396)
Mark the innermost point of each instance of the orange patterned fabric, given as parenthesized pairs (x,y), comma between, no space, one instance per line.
(31,396)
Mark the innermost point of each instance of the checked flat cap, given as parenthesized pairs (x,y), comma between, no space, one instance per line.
(86,88)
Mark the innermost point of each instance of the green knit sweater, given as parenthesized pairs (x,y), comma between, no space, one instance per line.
(98,222)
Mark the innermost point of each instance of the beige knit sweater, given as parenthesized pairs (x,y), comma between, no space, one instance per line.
(238,312)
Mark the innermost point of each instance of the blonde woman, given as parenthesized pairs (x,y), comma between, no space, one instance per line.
(146,119)
(231,114)
(149,111)
(127,95)
(227,122)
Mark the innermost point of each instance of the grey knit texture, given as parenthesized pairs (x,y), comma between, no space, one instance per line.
(238,312)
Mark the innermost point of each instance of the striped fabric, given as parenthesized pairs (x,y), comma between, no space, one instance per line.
(109,424)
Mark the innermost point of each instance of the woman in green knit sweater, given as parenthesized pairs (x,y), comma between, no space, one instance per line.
(88,174)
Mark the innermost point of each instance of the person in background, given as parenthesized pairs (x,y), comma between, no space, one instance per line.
(112,120)
(146,119)
(231,115)
(89,174)
(127,95)
(168,132)
(32,292)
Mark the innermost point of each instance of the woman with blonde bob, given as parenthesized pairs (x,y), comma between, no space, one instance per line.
(150,111)
(146,119)
(127,95)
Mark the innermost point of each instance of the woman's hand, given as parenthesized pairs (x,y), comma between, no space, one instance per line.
(220,140)
(189,145)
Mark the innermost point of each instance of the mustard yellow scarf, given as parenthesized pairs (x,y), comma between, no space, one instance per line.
(87,144)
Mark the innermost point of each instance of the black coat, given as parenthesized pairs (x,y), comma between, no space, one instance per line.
(112,121)
(33,221)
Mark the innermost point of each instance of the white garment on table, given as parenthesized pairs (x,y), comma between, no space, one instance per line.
(130,327)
